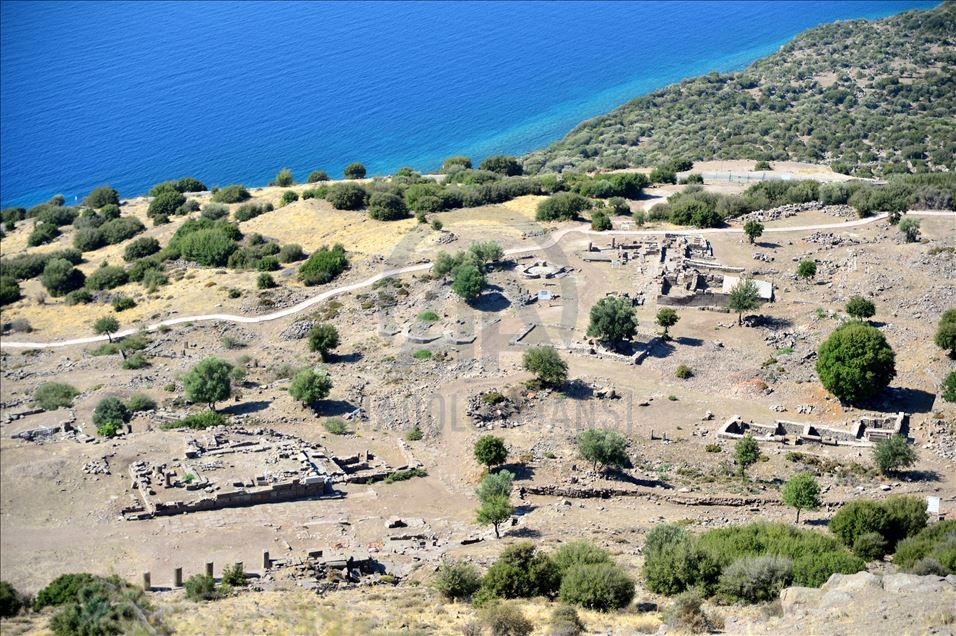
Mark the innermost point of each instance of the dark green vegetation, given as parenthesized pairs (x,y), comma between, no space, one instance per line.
(309,386)
(856,362)
(748,563)
(54,395)
(323,265)
(547,366)
(612,320)
(872,97)
(873,528)
(604,449)
(89,604)
(579,573)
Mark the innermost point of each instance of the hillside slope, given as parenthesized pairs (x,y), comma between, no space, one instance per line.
(871,97)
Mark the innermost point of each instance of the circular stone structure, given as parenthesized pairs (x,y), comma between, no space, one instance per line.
(542,269)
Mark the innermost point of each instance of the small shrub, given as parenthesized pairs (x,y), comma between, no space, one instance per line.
(109,429)
(201,587)
(506,619)
(107,277)
(756,579)
(323,265)
(335,426)
(815,569)
(265,281)
(140,248)
(140,402)
(404,475)
(317,175)
(422,354)
(54,395)
(347,196)
(713,448)
(135,361)
(289,196)
(10,600)
(597,586)
(214,211)
(684,372)
(122,303)
(63,589)
(428,316)
(234,575)
(456,580)
(870,546)
(521,572)
(291,253)
(110,409)
(231,194)
(565,622)
(687,614)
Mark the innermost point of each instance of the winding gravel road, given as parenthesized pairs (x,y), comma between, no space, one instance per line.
(553,239)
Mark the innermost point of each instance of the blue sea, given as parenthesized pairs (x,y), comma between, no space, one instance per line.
(134,93)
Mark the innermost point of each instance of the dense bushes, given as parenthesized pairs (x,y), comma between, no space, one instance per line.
(937,542)
(347,196)
(10,600)
(354,170)
(9,290)
(456,579)
(562,206)
(186,184)
(323,265)
(675,562)
(891,521)
(42,234)
(100,196)
(231,194)
(384,206)
(107,277)
(210,246)
(60,277)
(521,572)
(501,164)
(597,586)
(54,395)
(24,266)
(165,204)
(140,248)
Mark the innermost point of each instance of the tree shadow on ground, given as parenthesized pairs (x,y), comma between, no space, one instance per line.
(490,302)
(524,533)
(920,475)
(332,408)
(689,342)
(577,389)
(767,322)
(817,522)
(244,408)
(354,356)
(895,399)
(767,244)
(659,348)
(621,476)
(520,471)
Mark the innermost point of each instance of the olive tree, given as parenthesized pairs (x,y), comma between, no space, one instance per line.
(547,366)
(208,382)
(323,338)
(753,230)
(860,308)
(309,386)
(603,448)
(612,320)
(801,492)
(667,318)
(490,450)
(746,453)
(945,337)
(743,297)
(106,325)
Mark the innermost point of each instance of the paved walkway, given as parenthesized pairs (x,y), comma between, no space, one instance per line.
(553,239)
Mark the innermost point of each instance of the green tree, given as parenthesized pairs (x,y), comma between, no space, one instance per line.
(354,170)
(743,297)
(910,229)
(490,450)
(347,196)
(468,282)
(284,178)
(561,206)
(945,337)
(10,600)
(547,366)
(521,571)
(323,338)
(860,308)
(497,484)
(746,453)
(597,586)
(232,194)
(494,511)
(807,269)
(612,320)
(603,448)
(855,362)
(323,265)
(318,175)
(486,252)
(892,454)
(456,579)
(54,395)
(667,318)
(309,386)
(801,492)
(100,196)
(753,230)
(106,325)
(208,382)
(60,277)
(600,221)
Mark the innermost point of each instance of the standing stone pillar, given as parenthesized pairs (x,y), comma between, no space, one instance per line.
(178,577)
(266,561)
(147,585)
(209,568)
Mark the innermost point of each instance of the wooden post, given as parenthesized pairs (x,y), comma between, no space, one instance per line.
(178,577)
(146,582)
(209,569)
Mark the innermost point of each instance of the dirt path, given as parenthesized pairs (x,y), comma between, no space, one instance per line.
(553,239)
